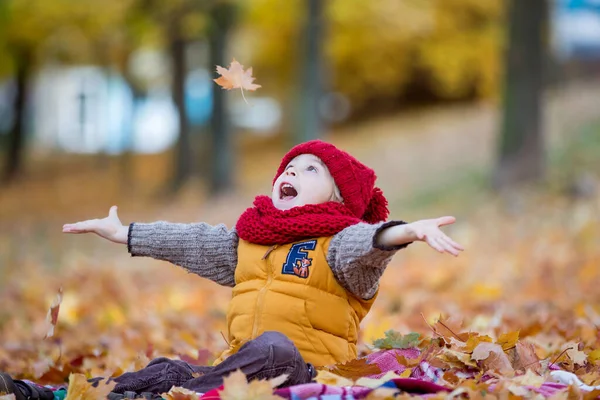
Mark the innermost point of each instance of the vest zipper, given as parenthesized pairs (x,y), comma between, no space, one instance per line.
(263,290)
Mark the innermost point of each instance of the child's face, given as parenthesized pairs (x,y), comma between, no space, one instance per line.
(306,180)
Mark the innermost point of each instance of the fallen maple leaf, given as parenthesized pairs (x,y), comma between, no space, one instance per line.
(236,387)
(235,77)
(355,369)
(52,316)
(81,389)
(523,357)
(508,340)
(492,357)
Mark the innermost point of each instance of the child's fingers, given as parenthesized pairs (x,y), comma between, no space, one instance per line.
(453,243)
(113,212)
(446,220)
(445,246)
(433,243)
(79,227)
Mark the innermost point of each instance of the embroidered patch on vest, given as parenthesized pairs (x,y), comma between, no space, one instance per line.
(297,261)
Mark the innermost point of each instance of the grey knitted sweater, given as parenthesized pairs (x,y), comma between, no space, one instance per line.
(356,260)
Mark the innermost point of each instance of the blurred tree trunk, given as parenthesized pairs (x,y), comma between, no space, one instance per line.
(222,160)
(16,138)
(521,147)
(183,156)
(311,123)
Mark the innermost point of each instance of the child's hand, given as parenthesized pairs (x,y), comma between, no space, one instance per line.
(428,230)
(109,228)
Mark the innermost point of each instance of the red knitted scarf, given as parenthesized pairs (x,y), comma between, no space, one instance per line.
(264,224)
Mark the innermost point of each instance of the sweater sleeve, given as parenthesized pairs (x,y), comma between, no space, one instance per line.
(202,249)
(357,261)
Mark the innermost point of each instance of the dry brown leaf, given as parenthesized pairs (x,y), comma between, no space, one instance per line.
(235,77)
(523,357)
(355,369)
(493,358)
(450,328)
(52,317)
(578,357)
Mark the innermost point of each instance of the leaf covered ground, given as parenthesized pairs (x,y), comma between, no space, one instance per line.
(521,301)
(525,292)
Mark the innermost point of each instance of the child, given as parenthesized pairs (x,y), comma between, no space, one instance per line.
(304,265)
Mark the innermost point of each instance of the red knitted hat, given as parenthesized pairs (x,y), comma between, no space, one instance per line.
(355,180)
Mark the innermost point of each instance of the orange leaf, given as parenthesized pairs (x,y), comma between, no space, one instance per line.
(235,77)
(355,369)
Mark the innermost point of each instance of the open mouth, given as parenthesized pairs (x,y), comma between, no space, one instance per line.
(287,191)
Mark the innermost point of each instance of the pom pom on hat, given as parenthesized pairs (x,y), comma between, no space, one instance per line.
(355,180)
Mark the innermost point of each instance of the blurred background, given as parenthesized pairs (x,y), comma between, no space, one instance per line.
(472,108)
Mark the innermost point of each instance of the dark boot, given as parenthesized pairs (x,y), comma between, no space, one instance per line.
(22,390)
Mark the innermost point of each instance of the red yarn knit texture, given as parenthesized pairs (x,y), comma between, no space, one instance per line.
(266,225)
(355,180)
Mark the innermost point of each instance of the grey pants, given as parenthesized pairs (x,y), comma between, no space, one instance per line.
(269,355)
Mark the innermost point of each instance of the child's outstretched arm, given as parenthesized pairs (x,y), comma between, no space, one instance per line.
(426,230)
(109,228)
(359,254)
(200,248)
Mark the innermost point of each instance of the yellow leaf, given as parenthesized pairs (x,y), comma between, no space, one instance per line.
(236,387)
(329,378)
(179,393)
(373,383)
(508,340)
(594,356)
(474,340)
(81,389)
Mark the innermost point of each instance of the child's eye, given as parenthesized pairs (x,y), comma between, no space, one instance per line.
(311,168)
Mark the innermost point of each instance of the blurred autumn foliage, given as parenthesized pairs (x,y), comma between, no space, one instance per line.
(376,50)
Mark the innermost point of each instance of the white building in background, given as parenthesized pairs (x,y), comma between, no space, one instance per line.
(87,110)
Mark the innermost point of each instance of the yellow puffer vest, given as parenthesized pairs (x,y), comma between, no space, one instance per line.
(291,289)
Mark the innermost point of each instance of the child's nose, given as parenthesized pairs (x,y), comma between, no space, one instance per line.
(290,171)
